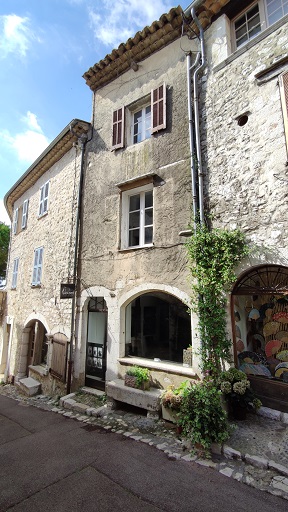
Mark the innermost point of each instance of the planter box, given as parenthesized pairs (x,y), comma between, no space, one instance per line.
(169,414)
(131,382)
(187,357)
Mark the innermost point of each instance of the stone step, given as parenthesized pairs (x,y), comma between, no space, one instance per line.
(30,386)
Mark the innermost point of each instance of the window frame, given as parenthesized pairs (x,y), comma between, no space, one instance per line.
(44,198)
(144,128)
(126,194)
(15,221)
(15,273)
(24,214)
(37,266)
(157,99)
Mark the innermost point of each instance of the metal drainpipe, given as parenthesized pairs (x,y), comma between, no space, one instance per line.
(191,138)
(83,139)
(197,118)
(191,10)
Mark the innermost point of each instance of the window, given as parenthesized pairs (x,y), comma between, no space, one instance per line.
(15,221)
(37,267)
(137,217)
(147,119)
(24,214)
(15,273)
(20,217)
(142,124)
(256,18)
(43,205)
(283,82)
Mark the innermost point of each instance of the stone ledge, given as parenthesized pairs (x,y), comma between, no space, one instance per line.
(149,400)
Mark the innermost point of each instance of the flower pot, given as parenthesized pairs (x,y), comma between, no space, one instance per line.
(169,414)
(131,382)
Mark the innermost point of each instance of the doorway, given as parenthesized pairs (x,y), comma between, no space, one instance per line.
(95,363)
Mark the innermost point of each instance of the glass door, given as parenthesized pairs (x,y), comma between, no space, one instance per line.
(96,343)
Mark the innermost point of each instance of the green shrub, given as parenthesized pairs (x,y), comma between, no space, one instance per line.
(201,415)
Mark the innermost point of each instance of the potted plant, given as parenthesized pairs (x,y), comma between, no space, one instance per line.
(171,400)
(237,392)
(137,377)
(201,415)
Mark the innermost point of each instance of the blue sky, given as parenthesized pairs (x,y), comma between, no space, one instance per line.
(45,47)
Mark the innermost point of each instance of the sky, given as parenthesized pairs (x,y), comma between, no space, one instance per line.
(45,48)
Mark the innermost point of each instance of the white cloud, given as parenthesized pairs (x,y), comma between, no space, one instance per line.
(116,24)
(30,143)
(3,214)
(16,35)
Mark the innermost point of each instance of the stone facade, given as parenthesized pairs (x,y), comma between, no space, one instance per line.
(40,305)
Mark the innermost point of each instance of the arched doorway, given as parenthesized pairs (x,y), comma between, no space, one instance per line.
(260,331)
(158,326)
(95,367)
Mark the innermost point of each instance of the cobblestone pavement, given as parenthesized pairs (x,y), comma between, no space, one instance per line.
(256,453)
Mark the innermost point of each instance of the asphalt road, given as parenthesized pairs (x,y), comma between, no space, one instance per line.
(52,463)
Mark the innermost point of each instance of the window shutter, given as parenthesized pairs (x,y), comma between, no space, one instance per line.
(158,109)
(24,214)
(118,128)
(39,269)
(284,99)
(35,266)
(15,223)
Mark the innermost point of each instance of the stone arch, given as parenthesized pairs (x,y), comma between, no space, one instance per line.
(161,298)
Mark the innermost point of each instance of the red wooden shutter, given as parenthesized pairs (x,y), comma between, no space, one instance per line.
(118,128)
(158,108)
(284,99)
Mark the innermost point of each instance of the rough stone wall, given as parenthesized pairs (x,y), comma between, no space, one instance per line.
(103,265)
(55,231)
(246,166)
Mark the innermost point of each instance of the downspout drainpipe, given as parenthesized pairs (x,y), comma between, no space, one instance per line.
(191,138)
(83,139)
(197,117)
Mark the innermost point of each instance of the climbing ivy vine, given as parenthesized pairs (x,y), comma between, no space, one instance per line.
(213,256)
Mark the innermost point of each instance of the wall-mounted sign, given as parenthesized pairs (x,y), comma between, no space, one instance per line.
(67,290)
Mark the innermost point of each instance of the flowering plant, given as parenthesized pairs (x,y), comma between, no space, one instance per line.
(172,397)
(236,389)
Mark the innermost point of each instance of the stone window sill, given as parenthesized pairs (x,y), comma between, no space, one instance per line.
(163,366)
(41,370)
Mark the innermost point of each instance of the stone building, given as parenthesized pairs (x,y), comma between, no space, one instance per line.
(135,283)
(43,208)
(209,86)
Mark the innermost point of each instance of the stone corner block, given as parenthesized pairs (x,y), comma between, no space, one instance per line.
(69,403)
(66,397)
(258,462)
(272,414)
(230,453)
(30,386)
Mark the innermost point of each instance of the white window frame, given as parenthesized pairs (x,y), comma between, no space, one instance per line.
(146,119)
(125,216)
(37,266)
(15,221)
(15,273)
(24,214)
(264,20)
(44,194)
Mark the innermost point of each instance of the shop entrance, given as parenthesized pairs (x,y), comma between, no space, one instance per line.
(260,329)
(96,343)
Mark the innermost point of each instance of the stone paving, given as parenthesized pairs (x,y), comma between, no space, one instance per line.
(256,453)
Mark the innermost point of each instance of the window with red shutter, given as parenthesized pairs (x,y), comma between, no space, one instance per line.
(283,82)
(158,110)
(118,128)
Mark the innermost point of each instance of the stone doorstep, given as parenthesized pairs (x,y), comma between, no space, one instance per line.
(149,400)
(30,386)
